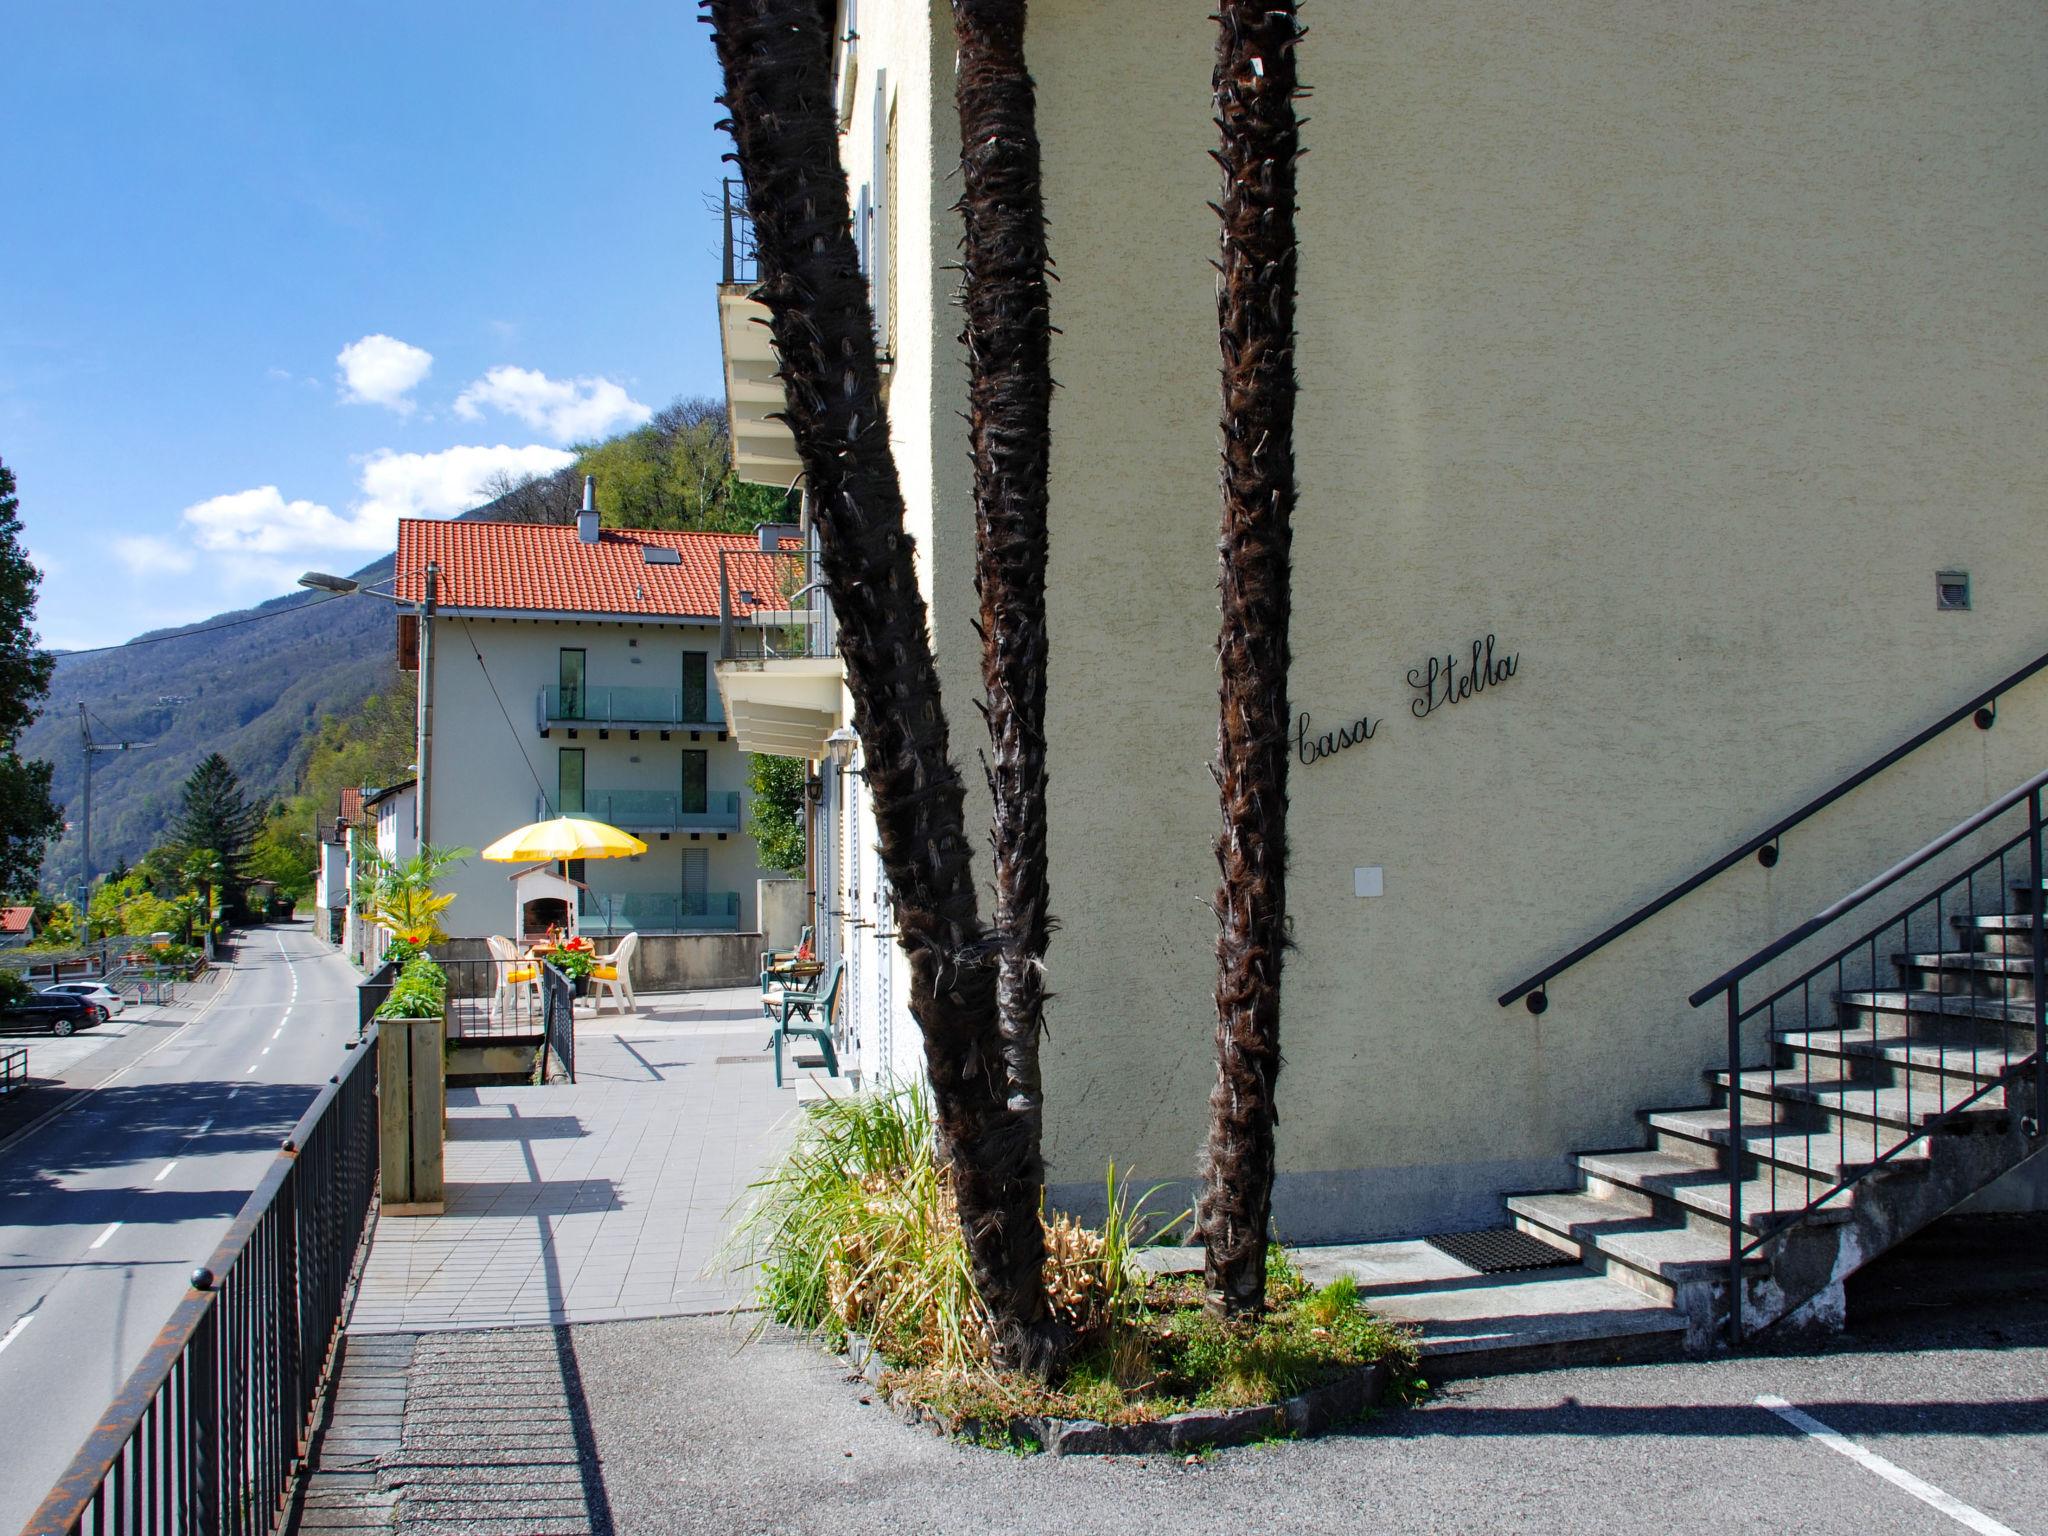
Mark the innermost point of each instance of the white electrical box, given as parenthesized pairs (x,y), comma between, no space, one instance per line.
(1369,880)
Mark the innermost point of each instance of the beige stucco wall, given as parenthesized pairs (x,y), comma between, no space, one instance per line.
(484,770)
(1679,349)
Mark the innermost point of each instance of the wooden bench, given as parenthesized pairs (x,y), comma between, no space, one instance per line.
(808,1005)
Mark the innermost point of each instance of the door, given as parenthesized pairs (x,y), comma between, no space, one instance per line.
(696,782)
(696,882)
(696,686)
(569,782)
(572,685)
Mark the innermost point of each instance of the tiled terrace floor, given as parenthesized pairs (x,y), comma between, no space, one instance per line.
(603,1200)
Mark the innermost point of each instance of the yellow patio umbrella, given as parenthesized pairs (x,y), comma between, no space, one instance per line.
(562,839)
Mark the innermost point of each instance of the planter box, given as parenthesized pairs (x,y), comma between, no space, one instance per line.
(1335,1402)
(412,1103)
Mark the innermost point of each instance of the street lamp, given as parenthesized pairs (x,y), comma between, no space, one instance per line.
(347,586)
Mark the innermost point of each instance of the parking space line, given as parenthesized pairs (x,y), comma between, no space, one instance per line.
(101,1240)
(1898,1476)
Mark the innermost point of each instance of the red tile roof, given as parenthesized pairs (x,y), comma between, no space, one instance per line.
(351,808)
(544,567)
(16,919)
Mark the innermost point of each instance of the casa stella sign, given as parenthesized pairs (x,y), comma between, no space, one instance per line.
(1436,684)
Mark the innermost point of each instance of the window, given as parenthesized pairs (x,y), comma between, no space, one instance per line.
(696,686)
(877,212)
(571,702)
(696,782)
(569,781)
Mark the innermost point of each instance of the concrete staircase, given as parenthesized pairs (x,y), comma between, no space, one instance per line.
(1831,1102)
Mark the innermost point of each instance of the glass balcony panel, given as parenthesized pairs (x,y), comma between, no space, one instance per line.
(609,704)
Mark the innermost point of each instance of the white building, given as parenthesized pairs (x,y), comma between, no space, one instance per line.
(567,671)
(1681,405)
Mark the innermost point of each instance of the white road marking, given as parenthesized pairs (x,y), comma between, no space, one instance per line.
(277,1031)
(15,1332)
(204,1127)
(252,1068)
(1926,1493)
(266,1050)
(165,1172)
(101,1240)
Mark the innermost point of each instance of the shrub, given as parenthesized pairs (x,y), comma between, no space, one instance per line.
(406,947)
(421,992)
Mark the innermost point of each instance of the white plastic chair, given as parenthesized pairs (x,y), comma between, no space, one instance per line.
(512,975)
(614,976)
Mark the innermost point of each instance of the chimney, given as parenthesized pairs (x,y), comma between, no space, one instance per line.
(771,535)
(586,520)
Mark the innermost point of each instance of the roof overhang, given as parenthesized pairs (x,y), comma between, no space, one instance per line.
(783,708)
(763,452)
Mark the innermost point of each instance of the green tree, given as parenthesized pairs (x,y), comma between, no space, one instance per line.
(776,811)
(29,819)
(284,852)
(216,826)
(402,897)
(676,472)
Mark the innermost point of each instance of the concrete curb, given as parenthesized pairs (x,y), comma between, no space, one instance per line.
(1308,1413)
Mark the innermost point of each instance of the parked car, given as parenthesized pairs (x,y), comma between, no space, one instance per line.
(41,1012)
(99,994)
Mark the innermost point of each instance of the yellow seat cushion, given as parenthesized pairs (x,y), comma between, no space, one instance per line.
(520,973)
(605,972)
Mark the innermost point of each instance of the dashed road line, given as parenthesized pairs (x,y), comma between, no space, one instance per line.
(1898,1476)
(15,1332)
(165,1171)
(101,1240)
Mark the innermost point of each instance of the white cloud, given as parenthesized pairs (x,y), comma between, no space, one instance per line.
(146,555)
(441,484)
(253,535)
(567,410)
(382,370)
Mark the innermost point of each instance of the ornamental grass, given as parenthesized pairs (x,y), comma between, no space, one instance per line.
(855,1232)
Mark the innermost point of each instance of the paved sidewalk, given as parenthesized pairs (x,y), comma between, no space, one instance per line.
(602,1200)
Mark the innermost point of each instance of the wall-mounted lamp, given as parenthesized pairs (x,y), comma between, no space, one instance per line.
(840,744)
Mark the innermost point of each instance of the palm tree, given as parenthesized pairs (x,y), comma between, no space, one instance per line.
(1255,85)
(1008,336)
(776,56)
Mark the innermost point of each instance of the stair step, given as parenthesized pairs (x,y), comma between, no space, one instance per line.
(1980,1063)
(1926,1098)
(1846,1149)
(2012,1018)
(1622,1235)
(2006,933)
(1775,1199)
(1968,960)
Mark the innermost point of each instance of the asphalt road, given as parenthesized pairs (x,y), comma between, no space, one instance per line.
(106,1208)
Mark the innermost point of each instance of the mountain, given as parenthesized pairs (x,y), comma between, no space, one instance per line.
(256,691)
(253,692)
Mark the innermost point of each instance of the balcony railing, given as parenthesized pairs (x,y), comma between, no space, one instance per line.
(793,622)
(659,912)
(658,708)
(655,810)
(742,261)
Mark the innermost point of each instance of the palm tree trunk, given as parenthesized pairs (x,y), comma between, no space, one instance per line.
(1008,337)
(778,85)
(1255,86)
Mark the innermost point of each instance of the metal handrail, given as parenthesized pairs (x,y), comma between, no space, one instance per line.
(1849,903)
(208,1433)
(1983,708)
(1947,1112)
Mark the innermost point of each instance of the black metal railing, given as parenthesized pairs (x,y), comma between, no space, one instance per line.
(370,995)
(13,1069)
(494,1000)
(772,606)
(742,260)
(1766,845)
(1905,1060)
(558,1010)
(209,1433)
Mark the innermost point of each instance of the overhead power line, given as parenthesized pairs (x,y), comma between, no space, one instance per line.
(254,618)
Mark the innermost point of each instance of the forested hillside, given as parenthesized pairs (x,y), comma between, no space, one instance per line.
(257,692)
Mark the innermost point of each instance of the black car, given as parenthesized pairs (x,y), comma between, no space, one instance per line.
(45,1012)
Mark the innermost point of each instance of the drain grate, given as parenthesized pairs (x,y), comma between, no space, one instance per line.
(1498,1250)
(738,1061)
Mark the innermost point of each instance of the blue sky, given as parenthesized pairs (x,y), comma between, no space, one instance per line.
(271,275)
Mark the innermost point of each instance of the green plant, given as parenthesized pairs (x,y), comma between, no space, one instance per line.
(401,895)
(12,988)
(421,992)
(404,948)
(576,964)
(775,811)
